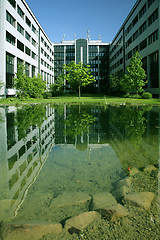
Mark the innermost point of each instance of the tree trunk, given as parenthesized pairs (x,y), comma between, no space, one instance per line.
(79,88)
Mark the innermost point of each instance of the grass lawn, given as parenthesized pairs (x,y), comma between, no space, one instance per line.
(73,99)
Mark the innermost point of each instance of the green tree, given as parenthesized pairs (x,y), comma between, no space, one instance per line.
(78,75)
(26,86)
(119,84)
(136,74)
(57,88)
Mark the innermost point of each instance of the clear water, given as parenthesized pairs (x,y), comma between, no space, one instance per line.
(49,151)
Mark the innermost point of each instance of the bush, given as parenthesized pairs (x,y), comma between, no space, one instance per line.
(146,95)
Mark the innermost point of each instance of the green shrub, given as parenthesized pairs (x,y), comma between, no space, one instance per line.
(146,95)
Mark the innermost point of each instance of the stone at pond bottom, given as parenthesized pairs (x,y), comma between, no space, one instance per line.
(124,182)
(114,212)
(30,231)
(69,199)
(150,168)
(121,192)
(141,199)
(80,222)
(133,171)
(102,200)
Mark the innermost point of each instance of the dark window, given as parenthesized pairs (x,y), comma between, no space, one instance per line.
(9,70)
(33,55)
(135,50)
(28,21)
(150,2)
(20,12)
(10,19)
(33,29)
(20,46)
(153,17)
(135,20)
(28,37)
(33,42)
(144,64)
(33,71)
(27,69)
(143,44)
(129,55)
(142,28)
(10,38)
(27,51)
(20,29)
(142,11)
(135,35)
(13,3)
(153,37)
(154,70)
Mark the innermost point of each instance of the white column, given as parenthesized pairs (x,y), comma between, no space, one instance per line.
(81,54)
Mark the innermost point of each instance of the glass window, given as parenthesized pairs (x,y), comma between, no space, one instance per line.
(28,21)
(13,3)
(10,38)
(143,44)
(153,17)
(154,70)
(20,46)
(153,37)
(142,11)
(27,51)
(150,2)
(135,35)
(27,69)
(135,20)
(33,71)
(28,37)
(142,28)
(9,70)
(20,12)
(10,19)
(33,29)
(20,29)
(33,42)
(33,55)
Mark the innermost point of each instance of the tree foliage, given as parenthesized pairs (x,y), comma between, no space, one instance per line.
(133,81)
(78,75)
(57,88)
(26,86)
(136,74)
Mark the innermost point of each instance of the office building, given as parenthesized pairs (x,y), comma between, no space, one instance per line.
(92,52)
(22,39)
(139,32)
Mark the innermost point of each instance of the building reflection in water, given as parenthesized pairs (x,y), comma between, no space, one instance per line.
(25,144)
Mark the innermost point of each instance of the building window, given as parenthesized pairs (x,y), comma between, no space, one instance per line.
(153,17)
(27,51)
(135,35)
(28,37)
(142,11)
(143,44)
(10,38)
(13,3)
(10,19)
(135,20)
(135,50)
(33,71)
(142,28)
(42,40)
(154,70)
(33,55)
(20,29)
(129,55)
(153,37)
(19,62)
(129,41)
(150,2)
(9,70)
(27,69)
(144,64)
(28,22)
(33,29)
(20,46)
(33,42)
(20,12)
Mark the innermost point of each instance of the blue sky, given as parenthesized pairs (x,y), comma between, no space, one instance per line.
(70,17)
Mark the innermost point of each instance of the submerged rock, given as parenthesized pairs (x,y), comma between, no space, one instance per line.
(80,222)
(141,199)
(101,200)
(121,192)
(150,168)
(133,171)
(69,199)
(30,231)
(114,212)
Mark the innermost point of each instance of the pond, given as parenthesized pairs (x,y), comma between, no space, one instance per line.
(57,162)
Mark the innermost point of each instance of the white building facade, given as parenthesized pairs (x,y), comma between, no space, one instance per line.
(22,39)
